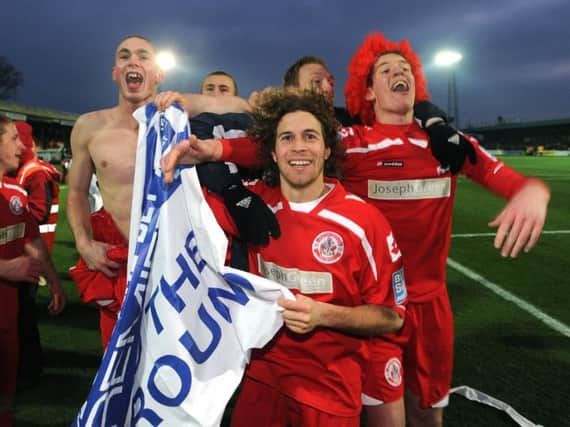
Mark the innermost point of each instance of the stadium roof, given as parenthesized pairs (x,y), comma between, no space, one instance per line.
(26,112)
(519,125)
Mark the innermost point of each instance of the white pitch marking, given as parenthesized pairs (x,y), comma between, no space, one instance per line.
(493,234)
(522,304)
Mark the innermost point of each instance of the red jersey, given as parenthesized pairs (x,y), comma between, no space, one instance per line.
(40,179)
(94,286)
(392,167)
(16,226)
(342,252)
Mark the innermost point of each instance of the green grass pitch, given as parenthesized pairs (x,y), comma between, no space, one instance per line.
(501,349)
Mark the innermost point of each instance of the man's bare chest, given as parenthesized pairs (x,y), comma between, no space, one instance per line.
(113,154)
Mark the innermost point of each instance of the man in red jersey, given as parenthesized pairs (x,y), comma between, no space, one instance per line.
(40,180)
(389,164)
(23,258)
(336,253)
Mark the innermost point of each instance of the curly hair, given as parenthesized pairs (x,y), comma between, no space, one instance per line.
(275,103)
(361,65)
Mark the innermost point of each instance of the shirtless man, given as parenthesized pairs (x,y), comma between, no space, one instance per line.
(104,142)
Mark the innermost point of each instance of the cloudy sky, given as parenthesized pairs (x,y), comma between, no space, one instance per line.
(516,52)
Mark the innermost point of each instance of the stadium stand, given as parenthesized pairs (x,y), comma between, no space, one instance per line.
(52,128)
(552,135)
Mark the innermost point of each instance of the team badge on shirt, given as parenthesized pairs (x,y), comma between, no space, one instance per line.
(393,247)
(328,247)
(16,205)
(393,372)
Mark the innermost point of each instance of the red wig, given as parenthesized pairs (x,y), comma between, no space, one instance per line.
(25,134)
(359,69)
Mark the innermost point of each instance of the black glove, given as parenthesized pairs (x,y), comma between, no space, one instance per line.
(254,220)
(216,176)
(427,113)
(448,146)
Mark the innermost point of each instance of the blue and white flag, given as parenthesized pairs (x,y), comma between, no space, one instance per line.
(184,334)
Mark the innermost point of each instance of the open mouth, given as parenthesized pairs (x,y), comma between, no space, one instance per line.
(400,86)
(134,80)
(299,164)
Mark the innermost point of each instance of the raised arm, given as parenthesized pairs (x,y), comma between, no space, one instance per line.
(521,221)
(195,104)
(191,151)
(215,104)
(242,151)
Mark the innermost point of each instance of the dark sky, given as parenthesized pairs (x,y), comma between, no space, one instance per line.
(516,52)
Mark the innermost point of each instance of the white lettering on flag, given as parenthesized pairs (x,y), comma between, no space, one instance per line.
(184,334)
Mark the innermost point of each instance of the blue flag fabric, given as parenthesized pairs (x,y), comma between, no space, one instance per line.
(187,323)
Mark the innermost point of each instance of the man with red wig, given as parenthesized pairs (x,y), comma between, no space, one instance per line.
(40,180)
(410,173)
(389,164)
